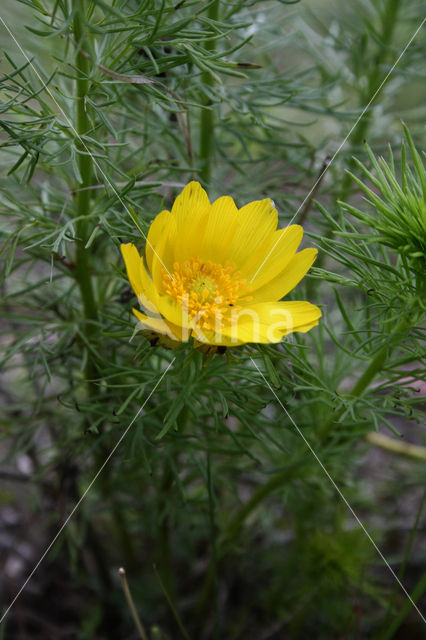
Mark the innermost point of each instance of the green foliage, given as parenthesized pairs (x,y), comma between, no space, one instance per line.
(400,222)
(208,493)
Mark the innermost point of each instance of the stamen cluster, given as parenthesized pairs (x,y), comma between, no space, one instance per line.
(204,290)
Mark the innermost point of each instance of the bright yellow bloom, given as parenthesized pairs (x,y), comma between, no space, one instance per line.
(217,273)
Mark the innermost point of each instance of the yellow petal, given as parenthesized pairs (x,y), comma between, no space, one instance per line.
(163,258)
(192,197)
(289,277)
(257,221)
(138,276)
(270,322)
(133,263)
(155,233)
(176,236)
(210,337)
(190,236)
(220,228)
(301,312)
(272,257)
(173,312)
(190,211)
(307,327)
(159,325)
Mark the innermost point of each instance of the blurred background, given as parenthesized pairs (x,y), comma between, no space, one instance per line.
(285,83)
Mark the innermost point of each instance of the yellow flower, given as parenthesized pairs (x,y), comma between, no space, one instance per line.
(217,273)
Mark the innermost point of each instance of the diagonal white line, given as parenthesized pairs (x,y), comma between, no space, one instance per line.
(77,135)
(76,506)
(326,168)
(341,494)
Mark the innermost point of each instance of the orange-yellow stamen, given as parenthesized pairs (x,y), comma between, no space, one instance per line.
(205,290)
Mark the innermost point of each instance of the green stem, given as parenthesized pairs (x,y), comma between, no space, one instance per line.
(207,113)
(82,269)
(82,255)
(164,552)
(261,492)
(233,530)
(375,366)
(371,371)
(374,80)
(166,497)
(92,542)
(119,521)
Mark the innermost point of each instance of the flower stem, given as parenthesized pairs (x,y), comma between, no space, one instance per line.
(85,168)
(207,113)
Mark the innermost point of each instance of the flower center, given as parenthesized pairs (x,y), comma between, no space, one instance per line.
(205,290)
